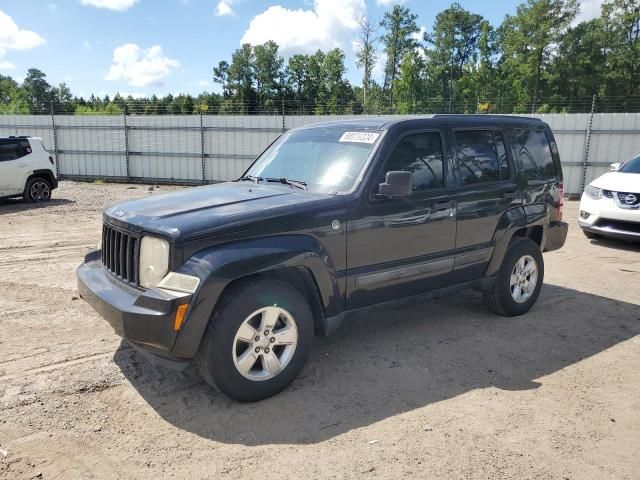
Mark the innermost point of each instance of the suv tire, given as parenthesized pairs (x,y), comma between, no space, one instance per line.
(519,280)
(257,340)
(37,190)
(590,235)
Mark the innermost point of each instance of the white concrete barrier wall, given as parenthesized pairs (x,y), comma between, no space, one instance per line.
(207,148)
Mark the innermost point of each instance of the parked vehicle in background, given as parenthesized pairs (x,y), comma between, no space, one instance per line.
(26,169)
(610,205)
(330,218)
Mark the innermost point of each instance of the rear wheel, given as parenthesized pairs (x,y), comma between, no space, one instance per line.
(37,190)
(257,341)
(519,280)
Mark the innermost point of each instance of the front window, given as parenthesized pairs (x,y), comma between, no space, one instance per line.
(328,159)
(632,166)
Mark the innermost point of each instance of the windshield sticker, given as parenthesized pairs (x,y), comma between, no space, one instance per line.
(359,137)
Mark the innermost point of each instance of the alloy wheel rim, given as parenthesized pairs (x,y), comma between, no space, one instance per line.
(265,343)
(39,192)
(524,278)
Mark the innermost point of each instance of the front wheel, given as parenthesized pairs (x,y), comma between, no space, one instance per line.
(257,341)
(37,190)
(519,280)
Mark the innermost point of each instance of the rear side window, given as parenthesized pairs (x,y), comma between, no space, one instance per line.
(482,157)
(421,154)
(533,151)
(13,149)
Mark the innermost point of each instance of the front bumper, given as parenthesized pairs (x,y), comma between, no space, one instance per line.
(607,219)
(614,229)
(144,318)
(556,236)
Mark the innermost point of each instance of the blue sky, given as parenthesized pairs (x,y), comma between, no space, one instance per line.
(171,46)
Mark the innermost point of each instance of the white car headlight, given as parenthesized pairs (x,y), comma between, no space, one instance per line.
(593,192)
(154,261)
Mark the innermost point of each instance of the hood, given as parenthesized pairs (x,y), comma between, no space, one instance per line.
(619,182)
(201,211)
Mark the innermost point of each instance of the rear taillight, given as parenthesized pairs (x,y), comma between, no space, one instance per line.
(561,201)
(51,160)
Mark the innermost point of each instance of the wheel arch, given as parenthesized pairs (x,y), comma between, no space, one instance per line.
(298,260)
(529,221)
(43,173)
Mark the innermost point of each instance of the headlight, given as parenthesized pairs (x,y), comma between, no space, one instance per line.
(593,192)
(154,261)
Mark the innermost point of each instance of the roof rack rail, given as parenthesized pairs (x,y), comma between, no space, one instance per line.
(484,115)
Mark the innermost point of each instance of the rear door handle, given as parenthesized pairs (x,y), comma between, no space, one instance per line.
(511,195)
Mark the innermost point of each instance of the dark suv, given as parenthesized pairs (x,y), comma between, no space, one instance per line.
(238,277)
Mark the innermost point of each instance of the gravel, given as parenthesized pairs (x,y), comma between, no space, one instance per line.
(441,389)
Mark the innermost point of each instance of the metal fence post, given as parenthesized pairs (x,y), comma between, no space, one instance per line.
(55,141)
(587,145)
(204,179)
(283,116)
(126,141)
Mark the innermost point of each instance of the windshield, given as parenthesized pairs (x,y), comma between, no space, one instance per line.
(328,159)
(632,166)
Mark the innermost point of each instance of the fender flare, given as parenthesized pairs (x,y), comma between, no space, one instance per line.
(512,221)
(220,265)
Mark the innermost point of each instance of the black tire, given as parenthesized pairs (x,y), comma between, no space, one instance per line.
(215,359)
(37,190)
(590,235)
(499,298)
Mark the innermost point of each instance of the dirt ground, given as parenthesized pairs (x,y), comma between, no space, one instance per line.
(443,389)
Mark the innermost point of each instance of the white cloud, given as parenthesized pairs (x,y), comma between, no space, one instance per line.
(140,67)
(589,9)
(14,38)
(7,66)
(224,8)
(388,3)
(330,24)
(118,5)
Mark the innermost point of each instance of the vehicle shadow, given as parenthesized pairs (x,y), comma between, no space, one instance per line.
(391,361)
(616,244)
(13,205)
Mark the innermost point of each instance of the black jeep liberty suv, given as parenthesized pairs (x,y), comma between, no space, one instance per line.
(237,277)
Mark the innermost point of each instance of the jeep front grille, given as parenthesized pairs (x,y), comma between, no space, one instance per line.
(120,252)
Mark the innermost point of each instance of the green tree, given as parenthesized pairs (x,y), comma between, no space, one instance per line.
(366,54)
(241,79)
(527,38)
(221,76)
(400,28)
(408,87)
(12,97)
(622,29)
(455,43)
(268,73)
(296,76)
(37,90)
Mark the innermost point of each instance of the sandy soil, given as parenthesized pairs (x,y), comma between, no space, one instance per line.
(443,389)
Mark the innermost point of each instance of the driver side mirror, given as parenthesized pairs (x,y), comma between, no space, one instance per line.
(615,167)
(397,184)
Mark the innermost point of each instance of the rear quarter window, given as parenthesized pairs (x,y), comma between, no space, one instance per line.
(534,153)
(13,149)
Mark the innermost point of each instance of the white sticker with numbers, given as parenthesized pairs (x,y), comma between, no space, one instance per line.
(359,137)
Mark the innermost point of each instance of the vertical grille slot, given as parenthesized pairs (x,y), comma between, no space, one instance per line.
(120,254)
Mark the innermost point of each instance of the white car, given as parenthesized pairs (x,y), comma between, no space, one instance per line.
(26,169)
(610,205)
